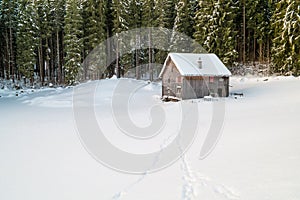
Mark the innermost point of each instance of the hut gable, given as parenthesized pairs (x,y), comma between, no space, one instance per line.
(172,79)
(188,76)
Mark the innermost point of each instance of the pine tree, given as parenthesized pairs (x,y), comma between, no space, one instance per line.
(73,41)
(119,11)
(150,17)
(120,24)
(286,43)
(94,23)
(134,19)
(215,28)
(102,20)
(2,68)
(203,21)
(45,29)
(109,15)
(227,32)
(184,21)
(258,27)
(90,26)
(94,34)
(26,42)
(167,13)
(47,36)
(9,20)
(134,14)
(58,13)
(102,34)
(184,24)
(265,30)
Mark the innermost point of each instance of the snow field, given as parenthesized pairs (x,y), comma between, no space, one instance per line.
(257,157)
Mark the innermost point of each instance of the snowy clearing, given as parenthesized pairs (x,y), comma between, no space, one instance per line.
(257,157)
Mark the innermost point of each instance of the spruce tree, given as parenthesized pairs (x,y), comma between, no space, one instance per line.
(150,20)
(203,21)
(73,41)
(101,19)
(134,19)
(184,20)
(94,23)
(285,51)
(2,68)
(90,26)
(44,24)
(120,24)
(215,28)
(183,24)
(227,31)
(102,33)
(94,28)
(26,39)
(167,13)
(58,14)
(9,20)
(119,9)
(258,27)
(149,15)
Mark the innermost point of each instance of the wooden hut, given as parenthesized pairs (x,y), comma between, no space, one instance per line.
(191,76)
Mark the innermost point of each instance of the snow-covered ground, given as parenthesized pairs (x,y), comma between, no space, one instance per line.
(257,157)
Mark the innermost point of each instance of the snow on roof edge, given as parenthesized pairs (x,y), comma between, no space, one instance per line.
(180,59)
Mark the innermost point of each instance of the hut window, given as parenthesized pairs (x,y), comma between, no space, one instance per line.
(178,89)
(169,80)
(211,79)
(221,79)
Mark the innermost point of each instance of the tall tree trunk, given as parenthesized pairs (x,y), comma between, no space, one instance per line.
(2,72)
(117,59)
(244,32)
(59,70)
(41,61)
(261,54)
(268,51)
(137,55)
(52,60)
(150,56)
(62,60)
(7,57)
(249,45)
(12,70)
(48,70)
(108,53)
(254,47)
(268,55)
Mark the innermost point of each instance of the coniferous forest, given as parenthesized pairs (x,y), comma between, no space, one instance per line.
(46,41)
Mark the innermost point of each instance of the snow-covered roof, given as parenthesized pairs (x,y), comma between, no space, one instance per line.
(188,64)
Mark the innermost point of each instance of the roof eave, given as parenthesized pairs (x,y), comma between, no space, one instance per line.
(204,75)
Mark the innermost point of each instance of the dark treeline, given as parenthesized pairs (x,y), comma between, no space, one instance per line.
(46,41)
